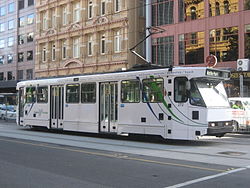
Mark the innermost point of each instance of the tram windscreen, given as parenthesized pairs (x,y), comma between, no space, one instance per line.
(210,93)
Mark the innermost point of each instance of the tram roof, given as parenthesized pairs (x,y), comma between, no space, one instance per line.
(135,71)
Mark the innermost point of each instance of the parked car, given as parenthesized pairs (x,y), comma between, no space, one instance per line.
(7,111)
(240,112)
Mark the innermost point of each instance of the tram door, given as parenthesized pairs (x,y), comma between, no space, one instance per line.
(56,106)
(108,106)
(20,106)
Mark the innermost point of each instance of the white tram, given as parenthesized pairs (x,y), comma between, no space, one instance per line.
(175,103)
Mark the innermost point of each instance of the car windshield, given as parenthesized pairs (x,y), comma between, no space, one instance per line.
(246,104)
(210,93)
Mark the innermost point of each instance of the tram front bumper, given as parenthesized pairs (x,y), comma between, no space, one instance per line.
(219,128)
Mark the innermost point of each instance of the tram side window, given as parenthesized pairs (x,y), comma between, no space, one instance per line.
(42,94)
(88,93)
(153,90)
(130,91)
(30,95)
(72,93)
(180,89)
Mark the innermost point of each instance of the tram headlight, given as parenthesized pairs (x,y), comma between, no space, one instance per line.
(227,123)
(212,124)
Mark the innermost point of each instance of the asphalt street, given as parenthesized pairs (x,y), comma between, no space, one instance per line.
(36,158)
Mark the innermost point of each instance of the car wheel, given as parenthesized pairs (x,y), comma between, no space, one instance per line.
(2,116)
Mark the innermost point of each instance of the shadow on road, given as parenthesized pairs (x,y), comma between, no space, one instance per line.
(131,137)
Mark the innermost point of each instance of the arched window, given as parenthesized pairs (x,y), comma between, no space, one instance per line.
(226,7)
(193,13)
(217,9)
(210,10)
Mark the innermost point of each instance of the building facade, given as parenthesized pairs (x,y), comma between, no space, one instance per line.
(194,29)
(86,36)
(17,46)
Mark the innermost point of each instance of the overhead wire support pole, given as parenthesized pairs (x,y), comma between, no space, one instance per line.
(151,31)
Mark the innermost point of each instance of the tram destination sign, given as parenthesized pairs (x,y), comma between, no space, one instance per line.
(217,73)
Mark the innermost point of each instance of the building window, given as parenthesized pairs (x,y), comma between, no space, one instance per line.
(226,7)
(102,44)
(191,10)
(9,75)
(117,5)
(224,43)
(163,51)
(191,48)
(247,41)
(21,21)
(21,39)
(90,47)
(44,21)
(31,18)
(9,58)
(1,59)
(210,10)
(217,9)
(20,57)
(76,47)
(117,42)
(90,10)
(76,12)
(29,74)
(53,54)
(1,76)
(247,4)
(20,75)
(103,7)
(30,37)
(30,55)
(11,24)
(11,7)
(2,11)
(2,45)
(20,4)
(64,50)
(162,11)
(64,15)
(30,2)
(10,41)
(2,27)
(44,55)
(53,19)
(193,13)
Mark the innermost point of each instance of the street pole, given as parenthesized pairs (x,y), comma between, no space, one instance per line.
(148,25)
(241,86)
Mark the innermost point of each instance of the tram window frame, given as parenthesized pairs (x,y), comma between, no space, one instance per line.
(76,95)
(32,98)
(41,96)
(135,91)
(177,91)
(90,95)
(154,93)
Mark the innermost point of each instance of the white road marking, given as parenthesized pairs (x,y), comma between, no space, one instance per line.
(208,177)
